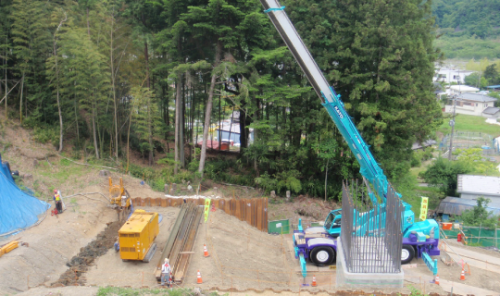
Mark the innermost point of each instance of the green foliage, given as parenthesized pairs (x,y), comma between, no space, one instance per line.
(111,291)
(491,75)
(473,17)
(146,118)
(379,92)
(443,174)
(46,133)
(479,216)
(421,155)
(475,79)
(473,157)
(468,47)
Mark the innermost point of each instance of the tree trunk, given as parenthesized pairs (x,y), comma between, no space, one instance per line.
(21,100)
(326,175)
(182,158)
(128,140)
(61,129)
(256,117)
(57,95)
(208,112)
(113,87)
(6,86)
(146,57)
(76,122)
(150,132)
(178,106)
(94,131)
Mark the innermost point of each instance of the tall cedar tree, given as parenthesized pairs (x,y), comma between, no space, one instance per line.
(379,57)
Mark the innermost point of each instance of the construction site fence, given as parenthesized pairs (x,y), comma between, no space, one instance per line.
(252,210)
(480,236)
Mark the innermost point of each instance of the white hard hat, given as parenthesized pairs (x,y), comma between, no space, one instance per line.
(166,260)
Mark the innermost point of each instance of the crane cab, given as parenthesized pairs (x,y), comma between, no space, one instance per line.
(332,223)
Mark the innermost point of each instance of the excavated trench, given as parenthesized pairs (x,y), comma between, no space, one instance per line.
(79,264)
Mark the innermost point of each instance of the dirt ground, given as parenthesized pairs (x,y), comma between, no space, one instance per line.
(110,270)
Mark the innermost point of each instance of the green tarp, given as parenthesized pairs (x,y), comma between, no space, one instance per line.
(279,226)
(478,236)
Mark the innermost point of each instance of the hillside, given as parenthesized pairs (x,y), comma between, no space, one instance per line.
(468,29)
(467,18)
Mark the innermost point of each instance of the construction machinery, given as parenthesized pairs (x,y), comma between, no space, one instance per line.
(136,237)
(120,199)
(318,244)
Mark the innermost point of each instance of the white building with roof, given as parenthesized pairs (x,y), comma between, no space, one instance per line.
(472,104)
(473,186)
(449,75)
(458,89)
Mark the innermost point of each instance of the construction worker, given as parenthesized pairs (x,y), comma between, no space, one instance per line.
(57,200)
(166,273)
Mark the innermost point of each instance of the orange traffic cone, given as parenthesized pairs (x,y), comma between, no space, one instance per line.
(314,281)
(205,251)
(436,281)
(199,280)
(462,276)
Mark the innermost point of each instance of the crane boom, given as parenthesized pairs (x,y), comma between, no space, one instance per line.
(329,99)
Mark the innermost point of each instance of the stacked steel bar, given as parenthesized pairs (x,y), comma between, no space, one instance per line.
(179,246)
(371,240)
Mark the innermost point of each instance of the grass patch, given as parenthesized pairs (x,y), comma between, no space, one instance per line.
(114,291)
(469,123)
(65,170)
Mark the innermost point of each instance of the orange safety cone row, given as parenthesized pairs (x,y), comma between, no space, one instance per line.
(436,281)
(314,281)
(199,280)
(205,251)
(462,276)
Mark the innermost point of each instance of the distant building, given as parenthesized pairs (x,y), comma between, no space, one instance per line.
(491,112)
(472,187)
(472,104)
(494,87)
(459,89)
(456,206)
(449,75)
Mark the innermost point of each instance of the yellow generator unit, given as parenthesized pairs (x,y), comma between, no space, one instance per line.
(137,235)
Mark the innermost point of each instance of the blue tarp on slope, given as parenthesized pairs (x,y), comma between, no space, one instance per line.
(18,210)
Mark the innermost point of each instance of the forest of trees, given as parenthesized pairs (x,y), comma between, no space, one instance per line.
(110,76)
(468,29)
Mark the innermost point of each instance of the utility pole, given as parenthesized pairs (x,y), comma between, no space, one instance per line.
(452,122)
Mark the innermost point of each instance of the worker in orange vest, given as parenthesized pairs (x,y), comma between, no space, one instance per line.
(57,200)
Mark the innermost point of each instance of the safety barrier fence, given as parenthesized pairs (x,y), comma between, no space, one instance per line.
(252,210)
(480,236)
